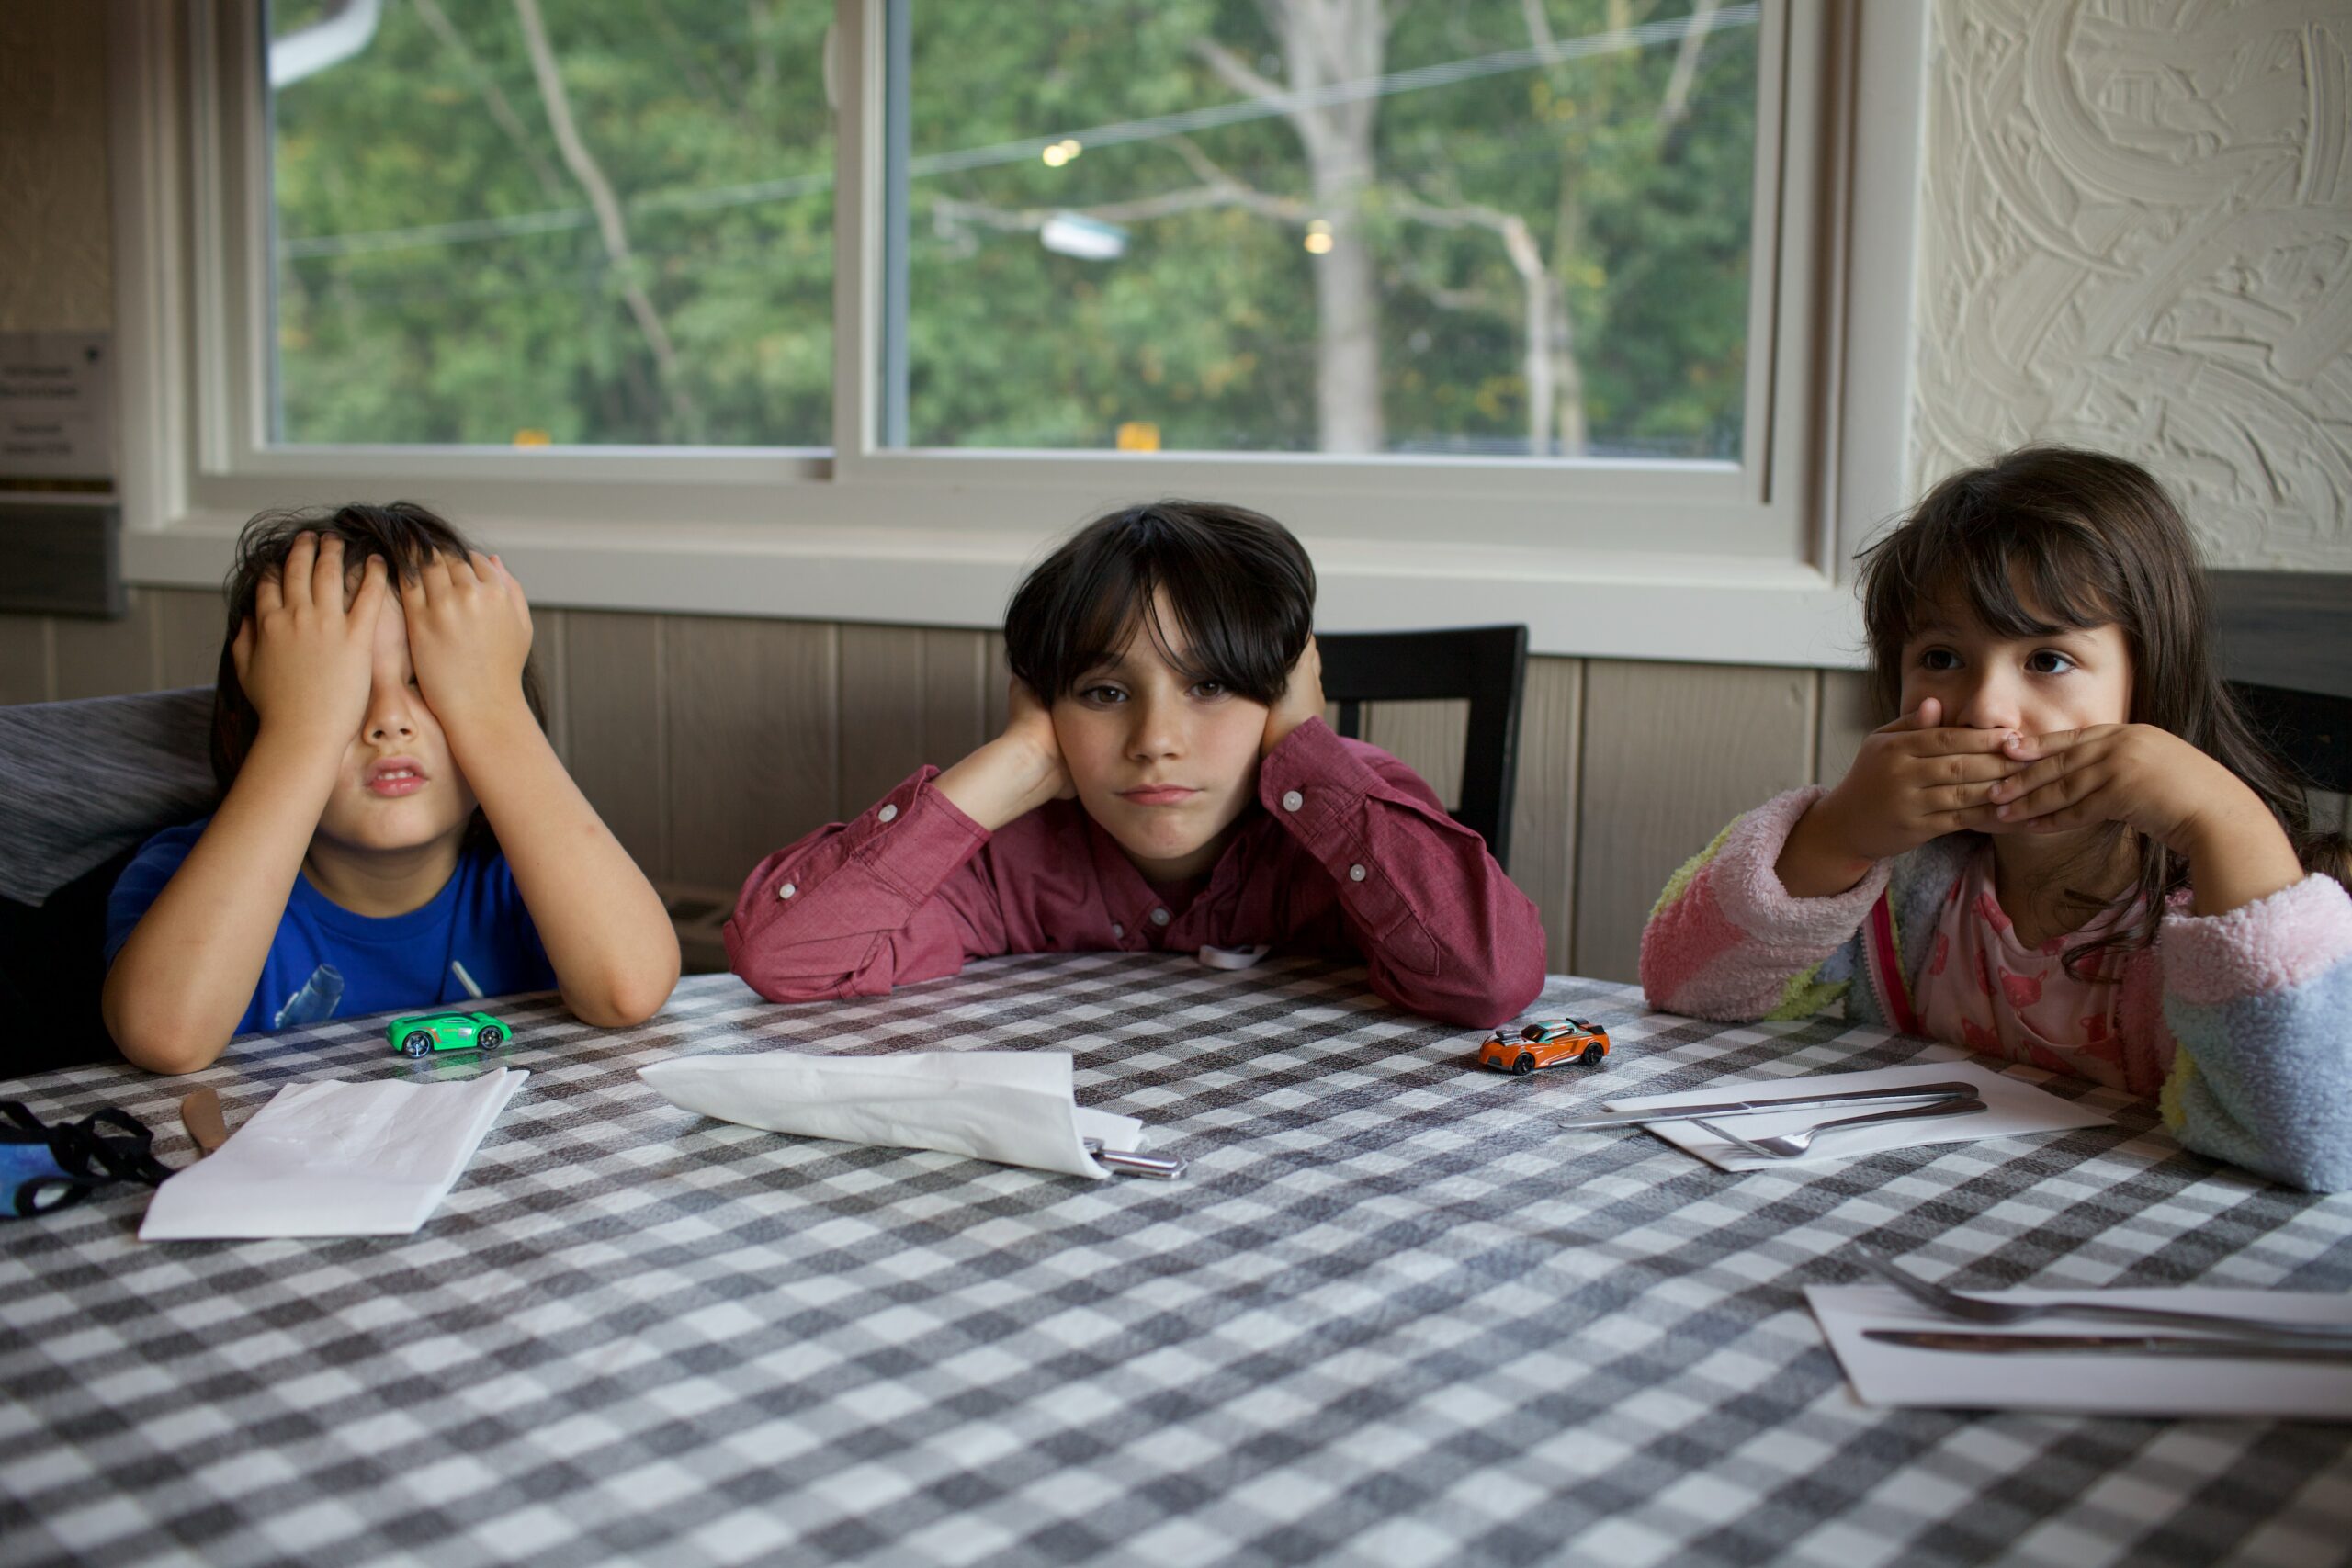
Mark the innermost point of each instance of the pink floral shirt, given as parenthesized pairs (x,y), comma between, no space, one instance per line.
(1988,991)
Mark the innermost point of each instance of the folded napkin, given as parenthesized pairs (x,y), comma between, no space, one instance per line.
(334,1159)
(2098,1384)
(2012,1107)
(1013,1107)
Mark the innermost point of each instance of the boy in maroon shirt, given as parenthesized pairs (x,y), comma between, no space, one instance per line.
(1165,783)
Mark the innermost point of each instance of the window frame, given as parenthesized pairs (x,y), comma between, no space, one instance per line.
(1739,563)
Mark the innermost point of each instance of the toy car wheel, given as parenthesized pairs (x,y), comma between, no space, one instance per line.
(418,1044)
(1594,1054)
(1525,1065)
(491,1037)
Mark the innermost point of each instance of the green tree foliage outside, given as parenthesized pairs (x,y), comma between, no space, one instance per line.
(1493,227)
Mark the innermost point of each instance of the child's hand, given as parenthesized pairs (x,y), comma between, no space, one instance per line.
(1016,772)
(2160,786)
(1029,725)
(305,661)
(1914,781)
(1911,781)
(469,635)
(2149,779)
(1302,699)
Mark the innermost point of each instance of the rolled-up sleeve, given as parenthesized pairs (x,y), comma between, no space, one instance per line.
(1443,930)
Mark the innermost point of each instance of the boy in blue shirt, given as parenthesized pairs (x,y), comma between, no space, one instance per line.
(394,822)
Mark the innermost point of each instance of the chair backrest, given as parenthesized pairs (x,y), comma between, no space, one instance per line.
(2286,645)
(1485,664)
(83,784)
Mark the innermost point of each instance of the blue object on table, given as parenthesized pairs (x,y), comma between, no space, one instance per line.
(44,1167)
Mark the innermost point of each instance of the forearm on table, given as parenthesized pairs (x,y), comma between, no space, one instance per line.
(607,936)
(184,980)
(1443,930)
(894,895)
(2256,1000)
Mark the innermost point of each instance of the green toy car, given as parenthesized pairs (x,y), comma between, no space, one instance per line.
(420,1035)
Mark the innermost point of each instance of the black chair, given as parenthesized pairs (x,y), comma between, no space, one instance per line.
(1485,664)
(83,784)
(2286,647)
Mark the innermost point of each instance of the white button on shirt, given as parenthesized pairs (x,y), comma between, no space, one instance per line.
(1118,932)
(1160,917)
(887,814)
(1292,800)
(1355,874)
(786,891)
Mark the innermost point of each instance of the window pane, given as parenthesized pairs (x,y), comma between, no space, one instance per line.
(1502,228)
(593,222)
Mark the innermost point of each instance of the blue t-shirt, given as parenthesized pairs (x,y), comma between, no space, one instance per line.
(326,962)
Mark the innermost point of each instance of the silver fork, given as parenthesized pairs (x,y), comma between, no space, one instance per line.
(1976,1309)
(1788,1146)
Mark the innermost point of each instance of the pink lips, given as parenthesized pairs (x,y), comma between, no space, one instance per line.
(1158,795)
(396,776)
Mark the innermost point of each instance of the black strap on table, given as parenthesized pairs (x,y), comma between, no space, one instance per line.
(98,1151)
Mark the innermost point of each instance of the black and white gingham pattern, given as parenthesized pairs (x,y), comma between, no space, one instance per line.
(1392,1316)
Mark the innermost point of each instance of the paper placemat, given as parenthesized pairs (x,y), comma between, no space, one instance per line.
(2095,1384)
(334,1158)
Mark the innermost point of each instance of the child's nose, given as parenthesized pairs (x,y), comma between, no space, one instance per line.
(1156,730)
(1991,703)
(390,713)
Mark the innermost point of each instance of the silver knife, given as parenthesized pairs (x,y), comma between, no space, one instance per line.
(2176,1344)
(1926,1092)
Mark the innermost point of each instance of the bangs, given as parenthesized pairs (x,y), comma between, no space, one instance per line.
(2019,576)
(1224,593)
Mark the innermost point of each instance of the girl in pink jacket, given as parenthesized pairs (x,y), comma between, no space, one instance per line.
(2069,849)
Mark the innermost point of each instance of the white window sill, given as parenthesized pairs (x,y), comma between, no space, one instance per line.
(1615,605)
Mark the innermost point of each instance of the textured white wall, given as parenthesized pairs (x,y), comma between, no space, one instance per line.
(2138,235)
(56,251)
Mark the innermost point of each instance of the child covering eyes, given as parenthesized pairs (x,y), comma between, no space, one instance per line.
(394,822)
(1164,782)
(2069,849)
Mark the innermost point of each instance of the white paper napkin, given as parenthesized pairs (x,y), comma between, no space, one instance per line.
(2097,1384)
(1013,1107)
(2012,1107)
(334,1159)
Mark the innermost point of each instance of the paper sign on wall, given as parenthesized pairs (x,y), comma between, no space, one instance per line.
(56,409)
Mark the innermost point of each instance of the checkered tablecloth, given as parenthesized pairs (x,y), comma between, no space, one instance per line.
(1391,1317)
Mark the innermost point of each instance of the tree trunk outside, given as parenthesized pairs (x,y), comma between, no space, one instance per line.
(1326,42)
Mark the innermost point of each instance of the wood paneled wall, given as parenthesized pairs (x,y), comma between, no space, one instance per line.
(707,742)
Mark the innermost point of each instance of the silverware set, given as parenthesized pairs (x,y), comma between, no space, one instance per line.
(2245,1338)
(1906,1104)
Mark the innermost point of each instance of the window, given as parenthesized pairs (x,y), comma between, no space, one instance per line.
(1482,228)
(570,222)
(1515,310)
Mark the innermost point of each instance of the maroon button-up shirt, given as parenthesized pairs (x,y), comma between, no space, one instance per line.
(1349,854)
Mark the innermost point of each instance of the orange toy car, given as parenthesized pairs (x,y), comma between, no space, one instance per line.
(1549,1042)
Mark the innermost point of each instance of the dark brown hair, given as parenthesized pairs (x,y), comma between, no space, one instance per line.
(2052,537)
(1239,587)
(404,533)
